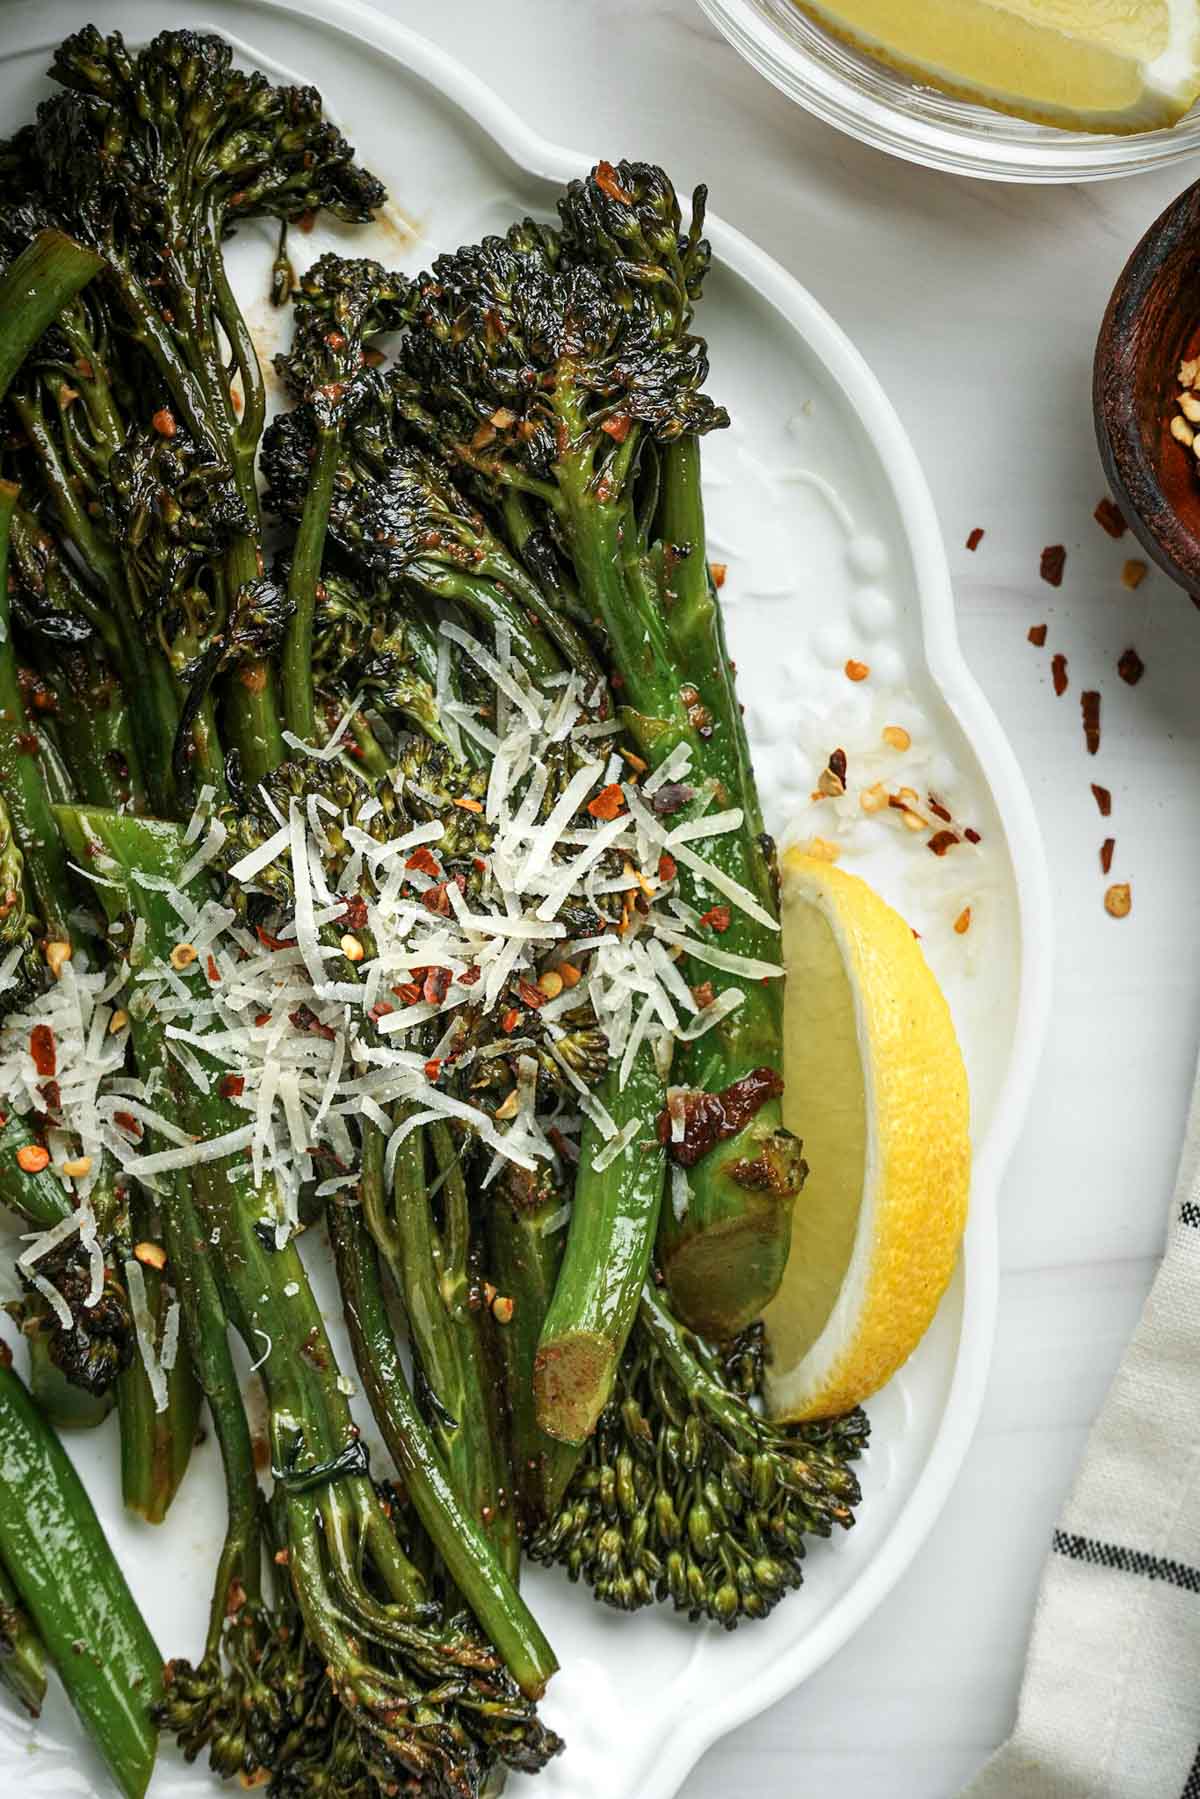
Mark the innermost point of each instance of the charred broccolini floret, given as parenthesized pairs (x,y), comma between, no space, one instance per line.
(686,1494)
(152,158)
(340,306)
(561,375)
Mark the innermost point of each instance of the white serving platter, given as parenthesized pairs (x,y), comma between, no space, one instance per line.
(819,509)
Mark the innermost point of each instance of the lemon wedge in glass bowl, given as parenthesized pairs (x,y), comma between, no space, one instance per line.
(875,1085)
(1082,65)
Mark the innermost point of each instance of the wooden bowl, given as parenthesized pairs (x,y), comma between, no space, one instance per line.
(1152,324)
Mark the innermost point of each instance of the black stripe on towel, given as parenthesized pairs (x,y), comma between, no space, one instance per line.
(1189,1213)
(1192,1787)
(1129,1561)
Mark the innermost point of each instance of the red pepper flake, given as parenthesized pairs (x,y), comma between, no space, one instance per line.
(355,915)
(1037,635)
(269,942)
(607,803)
(667,868)
(469,805)
(510,1020)
(51,1094)
(531,995)
(42,1049)
(939,811)
(125,1121)
(305,1019)
(409,992)
(617,427)
(1103,799)
(704,994)
(232,1086)
(976,538)
(941,841)
(471,976)
(1110,518)
(423,861)
(1058,673)
(719,571)
(214,973)
(262,1018)
(437,986)
(1054,560)
(433,1068)
(972,836)
(479,865)
(563,1147)
(605,177)
(436,899)
(717,918)
(1106,854)
(1130,667)
(1089,704)
(164,422)
(379,1010)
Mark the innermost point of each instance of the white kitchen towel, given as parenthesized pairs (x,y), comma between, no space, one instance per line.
(1110,1704)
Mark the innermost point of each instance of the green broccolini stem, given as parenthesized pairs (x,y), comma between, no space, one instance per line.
(24,788)
(206,1334)
(307,550)
(40,1199)
(465,1547)
(526,1237)
(22,1652)
(253,715)
(43,279)
(58,1558)
(606,1262)
(725,1257)
(156,715)
(442,1303)
(156,1447)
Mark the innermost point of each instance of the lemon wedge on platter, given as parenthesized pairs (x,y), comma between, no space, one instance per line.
(875,1085)
(1085,65)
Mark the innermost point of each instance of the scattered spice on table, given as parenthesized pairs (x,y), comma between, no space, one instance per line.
(857,671)
(1058,673)
(1133,574)
(1130,667)
(1103,799)
(1106,854)
(1089,705)
(1109,517)
(1037,635)
(1118,900)
(1054,560)
(976,538)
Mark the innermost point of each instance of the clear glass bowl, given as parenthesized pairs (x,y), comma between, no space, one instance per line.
(884,108)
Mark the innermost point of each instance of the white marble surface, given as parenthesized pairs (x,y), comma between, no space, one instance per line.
(977,307)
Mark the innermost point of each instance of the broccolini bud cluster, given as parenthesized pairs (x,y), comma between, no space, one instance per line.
(688,1495)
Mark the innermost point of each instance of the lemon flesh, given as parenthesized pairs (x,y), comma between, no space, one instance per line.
(1084,65)
(876,1087)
